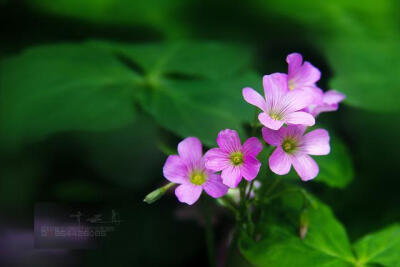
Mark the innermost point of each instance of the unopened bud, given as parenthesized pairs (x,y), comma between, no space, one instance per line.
(304,222)
(157,194)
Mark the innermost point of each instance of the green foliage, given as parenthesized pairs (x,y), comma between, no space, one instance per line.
(160,14)
(115,154)
(190,89)
(340,17)
(54,88)
(360,39)
(382,247)
(191,60)
(325,243)
(365,68)
(193,89)
(336,169)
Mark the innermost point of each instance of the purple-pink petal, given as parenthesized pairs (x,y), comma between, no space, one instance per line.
(216,159)
(332,97)
(175,170)
(228,140)
(315,93)
(269,122)
(188,193)
(214,186)
(250,168)
(231,176)
(254,98)
(296,131)
(323,108)
(190,150)
(305,75)
(252,146)
(273,138)
(305,166)
(294,61)
(316,142)
(330,102)
(296,100)
(275,86)
(280,162)
(300,117)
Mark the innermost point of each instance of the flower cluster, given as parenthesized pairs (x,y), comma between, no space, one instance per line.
(290,104)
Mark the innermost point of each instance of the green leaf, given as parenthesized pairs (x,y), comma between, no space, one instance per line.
(366,70)
(54,88)
(192,89)
(382,247)
(326,242)
(336,168)
(276,241)
(127,157)
(189,88)
(160,14)
(200,108)
(342,17)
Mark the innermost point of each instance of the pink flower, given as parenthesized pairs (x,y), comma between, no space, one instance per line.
(293,147)
(280,105)
(234,160)
(188,170)
(303,76)
(329,102)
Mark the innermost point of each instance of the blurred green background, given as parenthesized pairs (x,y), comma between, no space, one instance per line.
(95,93)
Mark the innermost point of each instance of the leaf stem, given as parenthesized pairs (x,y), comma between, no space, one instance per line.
(250,188)
(273,185)
(254,125)
(228,202)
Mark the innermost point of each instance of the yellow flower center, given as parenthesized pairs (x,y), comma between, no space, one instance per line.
(197,177)
(292,85)
(275,116)
(289,145)
(236,158)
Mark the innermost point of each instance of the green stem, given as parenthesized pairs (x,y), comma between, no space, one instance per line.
(250,219)
(308,202)
(254,125)
(209,233)
(277,195)
(273,185)
(250,188)
(242,190)
(228,202)
(242,204)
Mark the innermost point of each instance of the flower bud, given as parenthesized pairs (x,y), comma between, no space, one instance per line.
(304,222)
(157,194)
